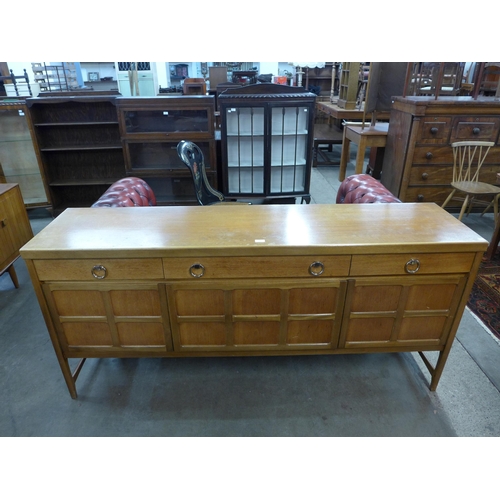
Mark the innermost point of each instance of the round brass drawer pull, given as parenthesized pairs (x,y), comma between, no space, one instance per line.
(99,272)
(412,266)
(197,270)
(317,268)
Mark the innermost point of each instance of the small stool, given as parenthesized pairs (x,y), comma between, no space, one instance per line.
(367,137)
(325,134)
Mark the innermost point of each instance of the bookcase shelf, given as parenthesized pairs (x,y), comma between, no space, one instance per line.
(77,140)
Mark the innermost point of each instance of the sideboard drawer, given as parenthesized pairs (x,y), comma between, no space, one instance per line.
(475,129)
(98,269)
(404,264)
(257,267)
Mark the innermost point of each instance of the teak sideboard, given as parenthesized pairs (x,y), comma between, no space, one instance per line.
(253,280)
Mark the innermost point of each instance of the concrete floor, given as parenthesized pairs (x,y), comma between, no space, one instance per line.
(344,395)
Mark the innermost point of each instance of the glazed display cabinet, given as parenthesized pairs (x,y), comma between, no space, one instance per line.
(18,161)
(267,142)
(77,140)
(151,128)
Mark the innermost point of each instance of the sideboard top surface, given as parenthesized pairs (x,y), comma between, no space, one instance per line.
(7,186)
(225,230)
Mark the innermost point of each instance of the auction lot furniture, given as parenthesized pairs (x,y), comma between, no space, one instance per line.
(15,228)
(151,128)
(253,280)
(365,137)
(418,158)
(77,140)
(363,188)
(266,142)
(18,161)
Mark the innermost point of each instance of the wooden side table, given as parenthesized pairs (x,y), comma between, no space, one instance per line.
(367,137)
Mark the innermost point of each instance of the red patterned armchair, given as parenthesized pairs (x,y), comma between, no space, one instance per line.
(127,192)
(363,188)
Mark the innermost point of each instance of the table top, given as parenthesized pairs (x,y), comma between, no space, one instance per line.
(225,230)
(380,128)
(335,111)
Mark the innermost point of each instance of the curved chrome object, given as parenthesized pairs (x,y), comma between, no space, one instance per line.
(414,264)
(197,270)
(317,268)
(103,272)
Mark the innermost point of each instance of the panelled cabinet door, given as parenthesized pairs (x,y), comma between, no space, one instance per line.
(98,317)
(394,312)
(249,316)
(15,228)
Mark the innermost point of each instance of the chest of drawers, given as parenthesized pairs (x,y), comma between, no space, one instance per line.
(418,160)
(253,280)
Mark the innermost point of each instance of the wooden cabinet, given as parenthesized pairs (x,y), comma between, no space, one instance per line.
(253,280)
(267,141)
(151,128)
(15,228)
(78,142)
(418,160)
(348,85)
(18,161)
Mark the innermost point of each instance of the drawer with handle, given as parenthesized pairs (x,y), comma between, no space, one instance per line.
(435,130)
(98,269)
(414,263)
(256,267)
(475,129)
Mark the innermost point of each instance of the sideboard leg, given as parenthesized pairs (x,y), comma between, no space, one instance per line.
(69,377)
(437,370)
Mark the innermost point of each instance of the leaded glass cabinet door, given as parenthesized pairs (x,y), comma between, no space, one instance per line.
(267,139)
(245,150)
(289,141)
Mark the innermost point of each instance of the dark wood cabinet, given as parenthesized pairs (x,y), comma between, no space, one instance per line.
(77,140)
(266,142)
(151,128)
(418,160)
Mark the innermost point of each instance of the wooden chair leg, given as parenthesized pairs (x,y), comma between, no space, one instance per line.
(344,157)
(464,206)
(450,196)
